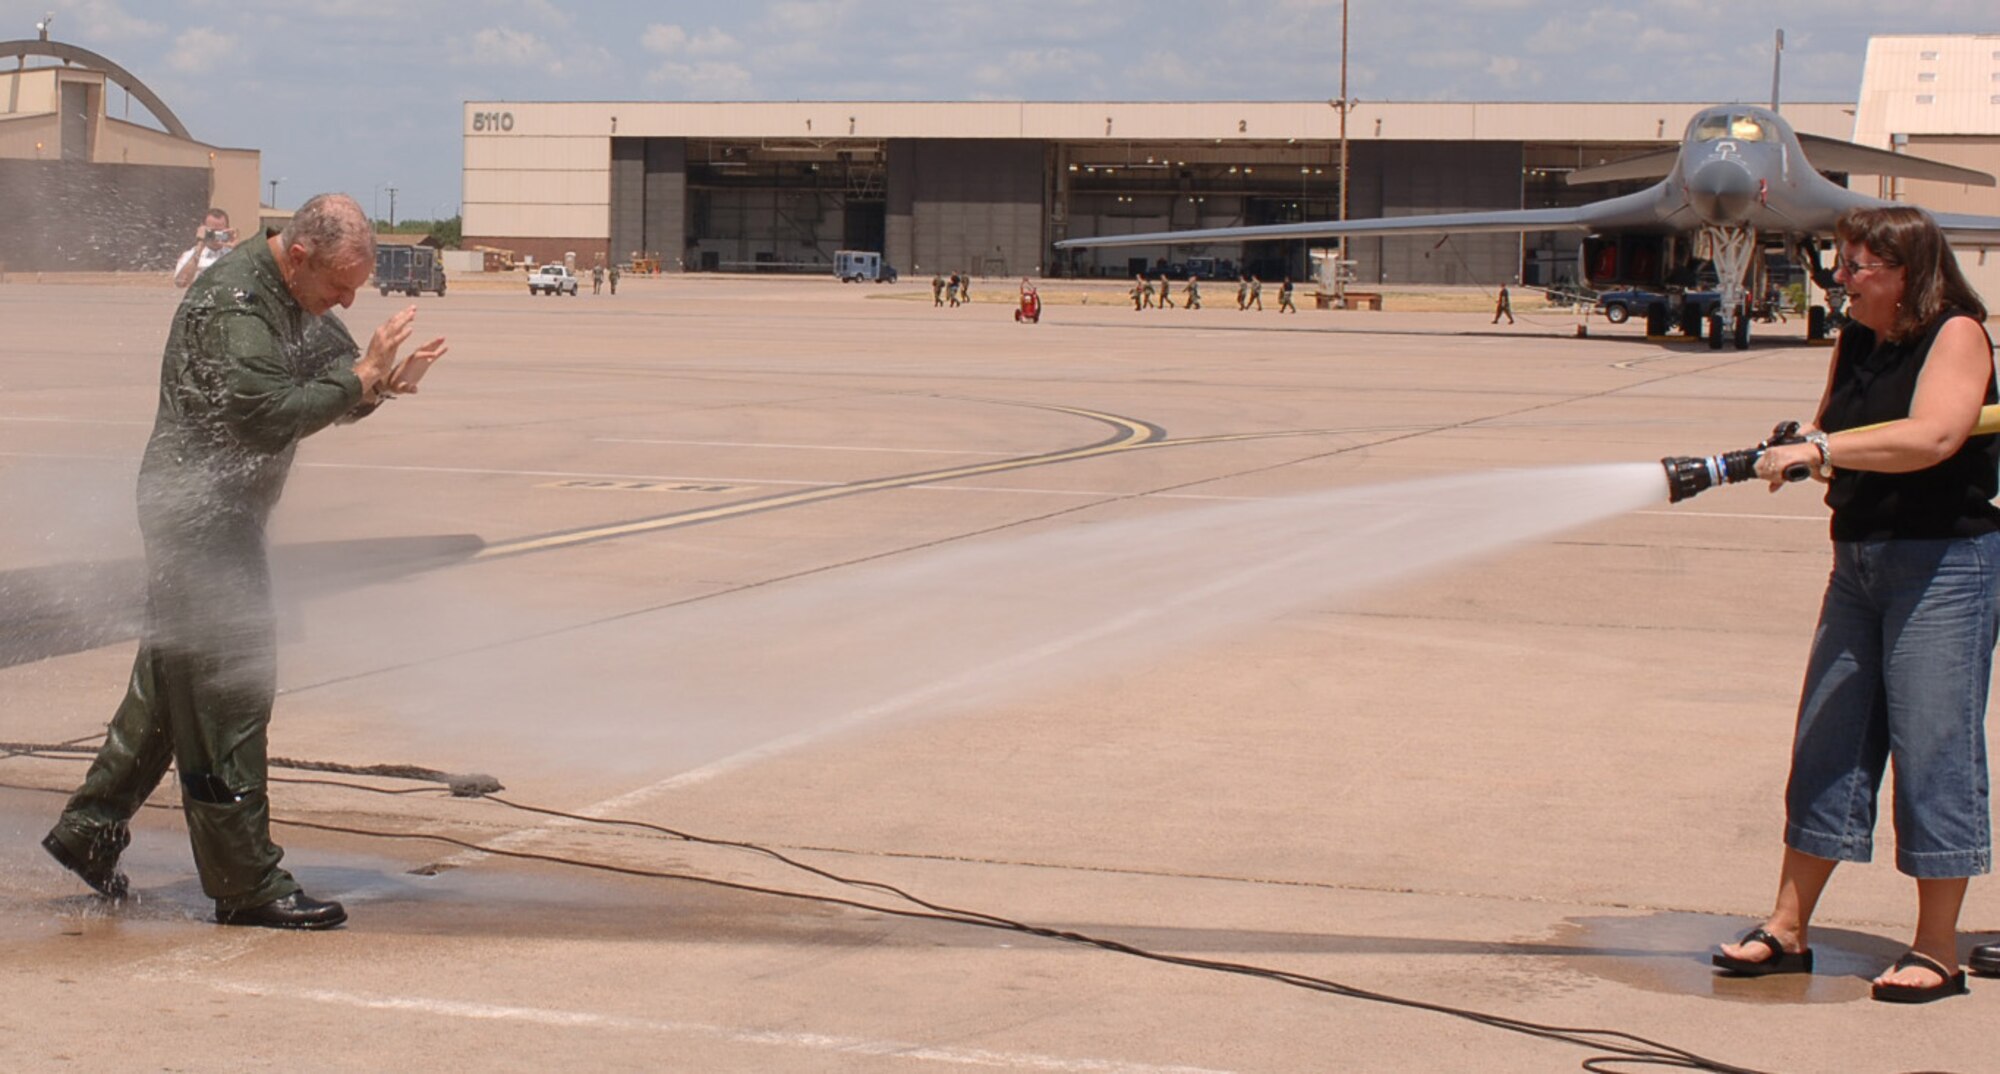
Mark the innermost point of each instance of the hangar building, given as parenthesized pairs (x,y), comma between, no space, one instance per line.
(989,187)
(83,187)
(1937,96)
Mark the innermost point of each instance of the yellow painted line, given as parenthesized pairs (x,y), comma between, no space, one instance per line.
(1129,434)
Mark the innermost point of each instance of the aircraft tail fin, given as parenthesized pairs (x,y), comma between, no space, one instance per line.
(1777,61)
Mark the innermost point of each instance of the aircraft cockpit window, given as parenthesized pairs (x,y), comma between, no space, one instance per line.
(1711,128)
(1746,129)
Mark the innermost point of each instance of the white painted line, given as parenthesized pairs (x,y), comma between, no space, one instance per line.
(685,479)
(810,1042)
(67,457)
(799,447)
(591,475)
(73,421)
(1821,519)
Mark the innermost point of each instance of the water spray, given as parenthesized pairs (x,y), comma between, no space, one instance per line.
(1689,474)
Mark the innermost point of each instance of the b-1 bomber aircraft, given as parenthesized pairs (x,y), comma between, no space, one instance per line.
(1741,181)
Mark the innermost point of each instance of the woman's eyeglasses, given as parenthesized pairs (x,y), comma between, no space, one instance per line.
(1856,268)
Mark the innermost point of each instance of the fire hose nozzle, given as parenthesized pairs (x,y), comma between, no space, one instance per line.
(1689,474)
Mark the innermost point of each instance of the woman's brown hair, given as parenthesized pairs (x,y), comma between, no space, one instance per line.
(1907,236)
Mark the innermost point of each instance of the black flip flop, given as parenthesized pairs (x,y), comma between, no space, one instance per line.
(1952,985)
(1781,960)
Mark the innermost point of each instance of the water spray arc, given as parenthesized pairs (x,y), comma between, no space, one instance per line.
(1690,474)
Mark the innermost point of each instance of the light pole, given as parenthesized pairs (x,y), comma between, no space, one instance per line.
(391,188)
(274,191)
(1340,269)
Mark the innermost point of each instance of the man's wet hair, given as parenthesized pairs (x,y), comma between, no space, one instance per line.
(329,225)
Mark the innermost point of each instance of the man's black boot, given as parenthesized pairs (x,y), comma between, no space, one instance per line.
(97,866)
(1985,960)
(295,911)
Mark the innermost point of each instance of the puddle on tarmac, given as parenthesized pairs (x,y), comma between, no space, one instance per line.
(1668,952)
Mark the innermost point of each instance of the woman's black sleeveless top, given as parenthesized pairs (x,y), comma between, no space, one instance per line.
(1874,381)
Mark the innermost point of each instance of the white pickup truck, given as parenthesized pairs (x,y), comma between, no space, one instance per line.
(552,279)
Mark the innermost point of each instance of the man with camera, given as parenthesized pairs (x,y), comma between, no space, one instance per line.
(213,239)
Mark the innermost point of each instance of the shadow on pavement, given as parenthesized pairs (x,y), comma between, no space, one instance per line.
(72,607)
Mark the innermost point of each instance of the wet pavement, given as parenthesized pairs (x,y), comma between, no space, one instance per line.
(656,558)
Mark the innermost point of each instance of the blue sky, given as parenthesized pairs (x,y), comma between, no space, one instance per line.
(355,95)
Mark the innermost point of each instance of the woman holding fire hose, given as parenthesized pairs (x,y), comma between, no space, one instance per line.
(1904,649)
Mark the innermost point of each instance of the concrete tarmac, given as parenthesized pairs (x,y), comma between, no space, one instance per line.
(652,558)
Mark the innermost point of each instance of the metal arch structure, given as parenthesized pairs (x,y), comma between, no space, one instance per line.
(83,57)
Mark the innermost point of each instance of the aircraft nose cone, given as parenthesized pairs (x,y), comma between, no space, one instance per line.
(1722,192)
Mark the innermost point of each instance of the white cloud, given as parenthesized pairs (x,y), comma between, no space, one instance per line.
(502,46)
(1027,68)
(199,50)
(1165,74)
(822,16)
(713,42)
(667,39)
(98,22)
(1449,59)
(552,13)
(704,81)
(670,39)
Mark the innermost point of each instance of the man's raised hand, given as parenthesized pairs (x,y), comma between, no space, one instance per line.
(404,380)
(380,359)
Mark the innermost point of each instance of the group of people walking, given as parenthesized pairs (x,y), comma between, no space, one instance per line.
(1249,294)
(597,275)
(955,290)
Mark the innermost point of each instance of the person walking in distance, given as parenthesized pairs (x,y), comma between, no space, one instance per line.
(1504,306)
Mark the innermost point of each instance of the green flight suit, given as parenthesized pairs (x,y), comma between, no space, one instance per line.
(246,375)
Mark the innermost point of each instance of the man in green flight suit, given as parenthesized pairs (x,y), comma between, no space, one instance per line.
(252,366)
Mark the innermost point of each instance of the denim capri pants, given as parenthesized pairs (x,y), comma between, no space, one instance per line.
(1898,674)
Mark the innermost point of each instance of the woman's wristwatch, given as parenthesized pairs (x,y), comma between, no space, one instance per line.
(1818,440)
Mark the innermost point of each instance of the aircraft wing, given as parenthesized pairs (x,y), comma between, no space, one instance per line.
(1632,210)
(1834,155)
(1967,229)
(1644,166)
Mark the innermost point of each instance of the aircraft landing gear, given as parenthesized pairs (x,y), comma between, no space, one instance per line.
(1732,249)
(1656,319)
